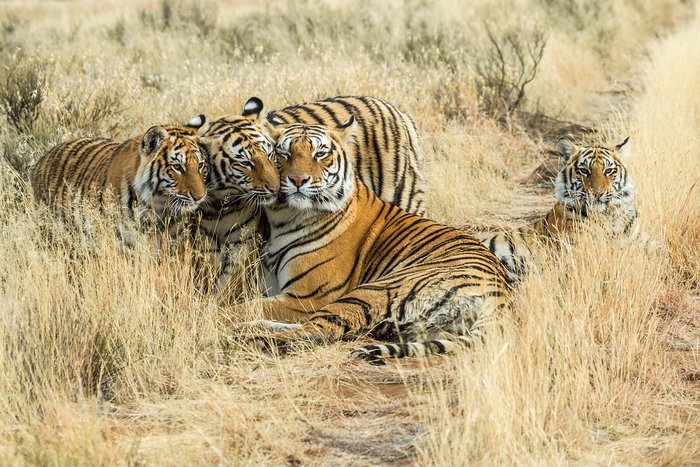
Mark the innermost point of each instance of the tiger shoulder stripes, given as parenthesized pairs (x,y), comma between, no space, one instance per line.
(164,170)
(385,150)
(346,262)
(592,186)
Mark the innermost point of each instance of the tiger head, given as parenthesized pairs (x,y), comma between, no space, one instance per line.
(315,172)
(171,176)
(593,177)
(241,156)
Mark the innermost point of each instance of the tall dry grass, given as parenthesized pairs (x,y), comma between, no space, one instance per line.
(110,357)
(585,371)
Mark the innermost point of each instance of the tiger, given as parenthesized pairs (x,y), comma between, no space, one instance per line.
(385,151)
(592,185)
(163,171)
(343,262)
(243,177)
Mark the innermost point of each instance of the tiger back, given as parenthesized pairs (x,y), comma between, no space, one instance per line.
(384,151)
(593,186)
(164,170)
(345,262)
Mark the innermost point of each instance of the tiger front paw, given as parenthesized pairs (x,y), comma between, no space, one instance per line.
(368,354)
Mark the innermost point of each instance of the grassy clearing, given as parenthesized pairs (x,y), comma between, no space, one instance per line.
(109,358)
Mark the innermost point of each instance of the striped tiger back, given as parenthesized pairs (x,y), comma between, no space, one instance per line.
(384,151)
(592,186)
(344,262)
(164,170)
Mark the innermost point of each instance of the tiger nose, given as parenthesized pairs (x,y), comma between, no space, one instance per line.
(273,188)
(298,180)
(598,194)
(198,195)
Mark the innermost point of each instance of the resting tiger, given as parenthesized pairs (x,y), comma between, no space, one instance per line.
(163,170)
(243,177)
(592,186)
(345,262)
(385,151)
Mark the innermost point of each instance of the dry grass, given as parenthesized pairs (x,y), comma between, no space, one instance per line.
(111,358)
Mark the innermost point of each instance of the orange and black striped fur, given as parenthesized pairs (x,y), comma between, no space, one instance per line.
(385,151)
(344,262)
(592,186)
(242,179)
(164,171)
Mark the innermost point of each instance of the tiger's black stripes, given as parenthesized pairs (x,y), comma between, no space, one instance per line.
(364,266)
(385,151)
(592,186)
(164,171)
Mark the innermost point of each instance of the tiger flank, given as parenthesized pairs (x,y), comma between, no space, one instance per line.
(163,171)
(385,151)
(344,262)
(592,187)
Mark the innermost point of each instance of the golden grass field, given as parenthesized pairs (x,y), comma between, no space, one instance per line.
(113,358)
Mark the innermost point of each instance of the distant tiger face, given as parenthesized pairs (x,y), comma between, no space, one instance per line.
(173,170)
(242,159)
(314,170)
(593,177)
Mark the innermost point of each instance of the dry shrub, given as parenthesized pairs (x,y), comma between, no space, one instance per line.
(506,67)
(182,15)
(23,92)
(89,112)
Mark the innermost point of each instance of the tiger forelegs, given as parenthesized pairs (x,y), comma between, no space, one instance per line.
(330,324)
(273,314)
(308,333)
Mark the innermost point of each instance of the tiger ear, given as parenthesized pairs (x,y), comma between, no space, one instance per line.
(199,123)
(152,141)
(624,149)
(273,130)
(274,119)
(565,148)
(253,108)
(347,129)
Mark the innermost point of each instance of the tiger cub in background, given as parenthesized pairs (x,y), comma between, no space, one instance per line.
(592,186)
(385,150)
(163,171)
(345,262)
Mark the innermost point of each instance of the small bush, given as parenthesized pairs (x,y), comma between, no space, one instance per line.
(191,16)
(505,67)
(91,112)
(23,93)
(118,32)
(19,155)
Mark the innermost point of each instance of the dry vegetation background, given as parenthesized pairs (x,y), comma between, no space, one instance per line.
(107,358)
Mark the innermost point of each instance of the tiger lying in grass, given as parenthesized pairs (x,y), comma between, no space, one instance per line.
(163,170)
(344,262)
(593,186)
